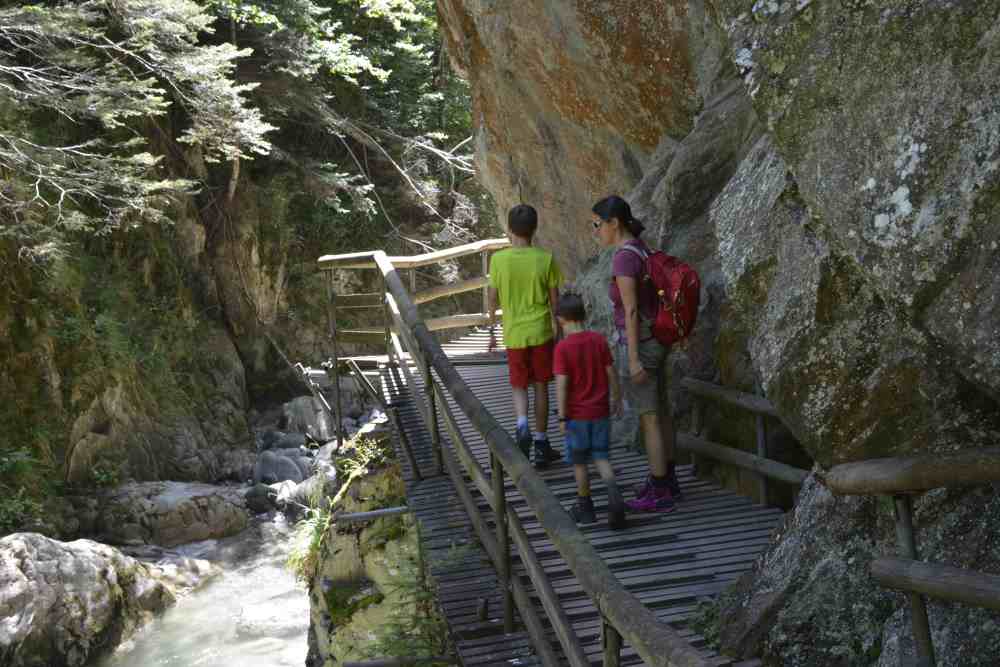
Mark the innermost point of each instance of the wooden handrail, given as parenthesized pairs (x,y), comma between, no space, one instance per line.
(938,581)
(739,399)
(737,457)
(655,641)
(920,472)
(366,260)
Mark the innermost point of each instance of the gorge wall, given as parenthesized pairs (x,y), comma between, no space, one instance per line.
(832,170)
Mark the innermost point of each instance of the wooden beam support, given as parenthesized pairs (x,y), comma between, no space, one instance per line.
(740,399)
(922,472)
(449,290)
(737,457)
(355,301)
(938,581)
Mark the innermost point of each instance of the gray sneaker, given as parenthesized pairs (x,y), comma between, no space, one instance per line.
(616,507)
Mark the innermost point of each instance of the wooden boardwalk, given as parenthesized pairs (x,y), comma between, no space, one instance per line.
(670,561)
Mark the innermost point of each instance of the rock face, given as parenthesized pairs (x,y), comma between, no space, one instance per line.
(833,171)
(571,100)
(64,603)
(170,513)
(142,441)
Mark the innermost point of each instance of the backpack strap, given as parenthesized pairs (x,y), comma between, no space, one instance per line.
(643,255)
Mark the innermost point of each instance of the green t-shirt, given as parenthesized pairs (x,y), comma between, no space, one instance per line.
(523,277)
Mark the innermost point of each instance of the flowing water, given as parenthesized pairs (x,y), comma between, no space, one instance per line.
(254,615)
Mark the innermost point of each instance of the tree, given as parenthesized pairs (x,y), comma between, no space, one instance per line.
(83,83)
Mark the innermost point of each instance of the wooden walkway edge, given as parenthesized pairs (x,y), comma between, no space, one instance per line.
(670,561)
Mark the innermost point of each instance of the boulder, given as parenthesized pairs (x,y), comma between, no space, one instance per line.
(306,414)
(66,603)
(259,498)
(281,465)
(169,513)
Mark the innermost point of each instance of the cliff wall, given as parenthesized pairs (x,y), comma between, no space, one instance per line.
(832,171)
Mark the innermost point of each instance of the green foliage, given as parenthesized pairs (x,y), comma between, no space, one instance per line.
(705,621)
(99,72)
(16,463)
(307,542)
(345,600)
(17,510)
(104,475)
(415,627)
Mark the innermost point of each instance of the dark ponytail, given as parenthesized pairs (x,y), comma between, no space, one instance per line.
(616,207)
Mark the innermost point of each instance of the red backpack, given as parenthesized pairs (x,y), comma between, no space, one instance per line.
(679,290)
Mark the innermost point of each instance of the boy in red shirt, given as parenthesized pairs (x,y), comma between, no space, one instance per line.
(585,376)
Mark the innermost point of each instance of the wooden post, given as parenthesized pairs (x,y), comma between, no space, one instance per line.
(486,288)
(433,417)
(761,452)
(335,361)
(386,317)
(503,541)
(413,281)
(405,441)
(612,642)
(907,544)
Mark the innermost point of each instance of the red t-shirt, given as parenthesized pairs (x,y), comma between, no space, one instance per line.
(584,358)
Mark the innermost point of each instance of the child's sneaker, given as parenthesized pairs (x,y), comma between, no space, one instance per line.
(616,508)
(656,500)
(523,438)
(583,510)
(544,454)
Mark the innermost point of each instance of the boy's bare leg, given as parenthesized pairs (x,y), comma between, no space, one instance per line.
(605,470)
(541,407)
(582,479)
(520,401)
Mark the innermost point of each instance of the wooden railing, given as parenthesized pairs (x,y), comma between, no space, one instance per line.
(759,463)
(901,478)
(624,616)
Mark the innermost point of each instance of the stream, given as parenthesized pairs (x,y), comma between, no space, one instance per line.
(255,614)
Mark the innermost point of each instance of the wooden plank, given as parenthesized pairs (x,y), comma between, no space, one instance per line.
(920,472)
(740,399)
(369,260)
(667,561)
(457,321)
(773,469)
(359,301)
(450,290)
(938,581)
(361,336)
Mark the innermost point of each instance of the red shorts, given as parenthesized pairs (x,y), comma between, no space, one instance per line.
(530,364)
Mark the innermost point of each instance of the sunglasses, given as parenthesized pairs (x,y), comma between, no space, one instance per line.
(597,224)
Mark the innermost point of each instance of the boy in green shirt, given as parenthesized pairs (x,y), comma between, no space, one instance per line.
(526,281)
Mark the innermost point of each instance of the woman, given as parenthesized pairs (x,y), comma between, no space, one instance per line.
(638,356)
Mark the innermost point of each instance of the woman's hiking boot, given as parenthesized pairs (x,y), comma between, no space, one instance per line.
(644,487)
(544,454)
(583,510)
(616,507)
(657,499)
(523,438)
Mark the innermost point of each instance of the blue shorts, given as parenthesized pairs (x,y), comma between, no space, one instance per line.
(586,439)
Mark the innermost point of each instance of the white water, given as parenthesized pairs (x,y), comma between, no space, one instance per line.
(254,615)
